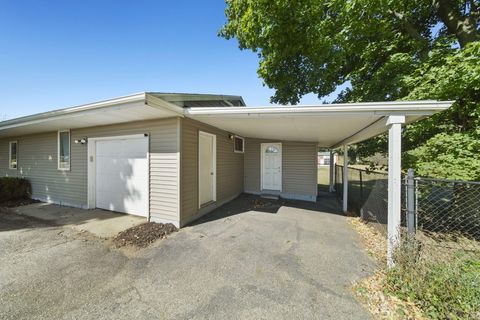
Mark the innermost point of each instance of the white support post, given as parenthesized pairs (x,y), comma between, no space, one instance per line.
(345,178)
(332,172)
(394,124)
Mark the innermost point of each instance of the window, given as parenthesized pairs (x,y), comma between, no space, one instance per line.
(64,150)
(271,150)
(13,155)
(238,144)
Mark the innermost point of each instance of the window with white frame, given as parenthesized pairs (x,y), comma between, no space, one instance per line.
(64,150)
(13,155)
(238,144)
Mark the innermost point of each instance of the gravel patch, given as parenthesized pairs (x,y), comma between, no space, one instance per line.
(143,234)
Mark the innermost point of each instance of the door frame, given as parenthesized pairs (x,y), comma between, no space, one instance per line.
(263,146)
(92,167)
(214,164)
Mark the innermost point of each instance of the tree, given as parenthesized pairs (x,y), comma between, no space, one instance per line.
(386,49)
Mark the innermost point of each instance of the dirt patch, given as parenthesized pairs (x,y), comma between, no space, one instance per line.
(143,234)
(17,203)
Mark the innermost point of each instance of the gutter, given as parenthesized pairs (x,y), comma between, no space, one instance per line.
(58,114)
(375,109)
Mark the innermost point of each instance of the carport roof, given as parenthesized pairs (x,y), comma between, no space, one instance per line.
(328,125)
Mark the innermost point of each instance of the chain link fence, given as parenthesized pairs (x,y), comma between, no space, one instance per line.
(367,195)
(441,216)
(447,217)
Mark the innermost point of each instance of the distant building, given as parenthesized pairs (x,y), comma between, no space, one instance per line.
(323,158)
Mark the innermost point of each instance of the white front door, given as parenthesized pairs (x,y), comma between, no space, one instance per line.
(121,175)
(206,168)
(271,159)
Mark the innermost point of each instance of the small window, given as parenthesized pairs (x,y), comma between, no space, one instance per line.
(238,144)
(64,150)
(271,150)
(13,155)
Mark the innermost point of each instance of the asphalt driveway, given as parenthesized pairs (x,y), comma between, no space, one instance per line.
(277,261)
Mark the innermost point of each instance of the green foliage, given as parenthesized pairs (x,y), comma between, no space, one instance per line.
(445,290)
(385,49)
(14,189)
(449,156)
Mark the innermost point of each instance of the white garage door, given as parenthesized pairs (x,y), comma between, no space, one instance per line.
(122,175)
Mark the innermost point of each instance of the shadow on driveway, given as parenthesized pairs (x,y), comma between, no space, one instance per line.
(101,223)
(326,203)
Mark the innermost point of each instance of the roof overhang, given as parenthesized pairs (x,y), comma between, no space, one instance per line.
(328,125)
(130,108)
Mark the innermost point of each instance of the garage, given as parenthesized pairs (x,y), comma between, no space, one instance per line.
(119,174)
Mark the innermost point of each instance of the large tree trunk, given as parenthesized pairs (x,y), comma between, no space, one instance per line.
(464,28)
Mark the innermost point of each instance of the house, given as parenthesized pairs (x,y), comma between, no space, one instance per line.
(174,157)
(323,158)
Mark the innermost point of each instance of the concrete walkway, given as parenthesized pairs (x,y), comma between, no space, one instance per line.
(251,259)
(100,223)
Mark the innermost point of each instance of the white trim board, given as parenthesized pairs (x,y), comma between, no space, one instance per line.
(10,154)
(214,159)
(69,150)
(263,146)
(91,167)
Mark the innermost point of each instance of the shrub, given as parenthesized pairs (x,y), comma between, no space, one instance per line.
(442,290)
(14,189)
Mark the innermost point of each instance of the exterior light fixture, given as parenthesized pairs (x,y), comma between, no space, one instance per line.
(81,141)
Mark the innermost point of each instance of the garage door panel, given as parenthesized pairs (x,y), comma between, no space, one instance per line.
(122,175)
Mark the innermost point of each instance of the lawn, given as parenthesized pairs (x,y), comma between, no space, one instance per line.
(323,178)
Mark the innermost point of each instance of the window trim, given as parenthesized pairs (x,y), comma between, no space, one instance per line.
(10,154)
(243,144)
(69,150)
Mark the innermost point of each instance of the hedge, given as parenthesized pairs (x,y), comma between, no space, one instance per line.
(14,189)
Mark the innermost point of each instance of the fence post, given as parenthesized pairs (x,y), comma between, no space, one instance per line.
(410,202)
(331,172)
(361,194)
(361,186)
(345,178)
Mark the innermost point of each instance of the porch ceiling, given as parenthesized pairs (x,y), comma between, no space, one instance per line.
(328,125)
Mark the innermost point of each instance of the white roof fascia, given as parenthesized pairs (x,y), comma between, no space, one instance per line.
(64,113)
(159,103)
(375,108)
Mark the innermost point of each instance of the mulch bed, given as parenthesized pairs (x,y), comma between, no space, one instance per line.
(143,234)
(17,203)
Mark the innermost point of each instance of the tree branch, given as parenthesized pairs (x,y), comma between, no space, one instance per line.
(412,32)
(464,28)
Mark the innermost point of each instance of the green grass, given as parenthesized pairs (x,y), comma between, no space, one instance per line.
(323,178)
(442,290)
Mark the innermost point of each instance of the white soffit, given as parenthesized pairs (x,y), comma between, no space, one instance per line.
(120,110)
(327,125)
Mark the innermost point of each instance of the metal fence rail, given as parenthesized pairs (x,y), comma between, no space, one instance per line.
(443,216)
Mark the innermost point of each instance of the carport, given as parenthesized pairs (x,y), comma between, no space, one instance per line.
(331,126)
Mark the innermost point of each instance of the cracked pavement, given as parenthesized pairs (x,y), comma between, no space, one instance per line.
(278,262)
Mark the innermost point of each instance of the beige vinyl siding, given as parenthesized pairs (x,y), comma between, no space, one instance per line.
(299,168)
(229,169)
(38,162)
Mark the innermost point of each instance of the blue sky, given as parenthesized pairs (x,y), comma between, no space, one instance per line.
(56,54)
